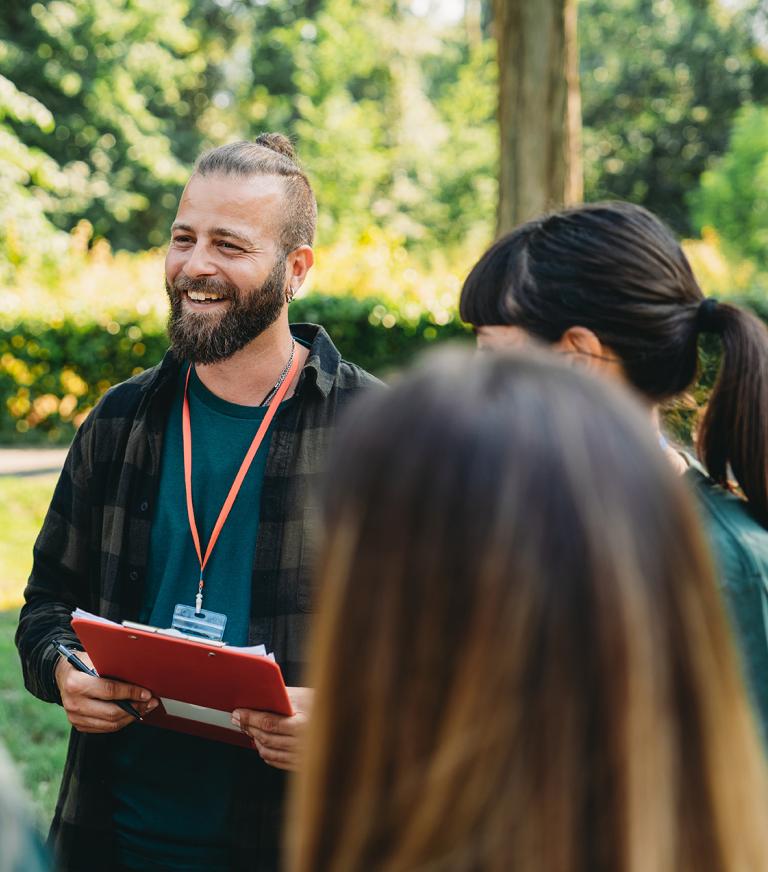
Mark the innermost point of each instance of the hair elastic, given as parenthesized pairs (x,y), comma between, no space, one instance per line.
(706,316)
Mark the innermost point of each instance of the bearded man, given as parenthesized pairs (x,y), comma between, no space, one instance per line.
(120,538)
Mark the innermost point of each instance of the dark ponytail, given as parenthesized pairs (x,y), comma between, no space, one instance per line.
(734,430)
(615,269)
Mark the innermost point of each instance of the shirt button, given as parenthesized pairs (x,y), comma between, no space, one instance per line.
(133,575)
(144,506)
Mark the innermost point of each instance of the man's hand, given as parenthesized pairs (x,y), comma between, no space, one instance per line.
(87,700)
(278,739)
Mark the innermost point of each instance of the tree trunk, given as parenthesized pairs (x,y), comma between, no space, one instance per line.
(539,108)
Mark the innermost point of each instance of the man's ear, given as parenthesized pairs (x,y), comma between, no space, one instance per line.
(585,349)
(299,262)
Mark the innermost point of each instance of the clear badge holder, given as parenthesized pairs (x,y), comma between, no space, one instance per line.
(205,624)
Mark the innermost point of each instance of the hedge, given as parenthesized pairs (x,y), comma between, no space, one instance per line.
(53,373)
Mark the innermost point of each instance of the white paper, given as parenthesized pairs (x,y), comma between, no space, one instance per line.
(199,713)
(81,613)
(254,650)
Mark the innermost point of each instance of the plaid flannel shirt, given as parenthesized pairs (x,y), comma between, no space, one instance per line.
(92,552)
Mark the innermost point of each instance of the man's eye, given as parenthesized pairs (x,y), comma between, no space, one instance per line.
(182,240)
(230,245)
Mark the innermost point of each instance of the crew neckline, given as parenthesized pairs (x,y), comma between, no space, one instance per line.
(224,407)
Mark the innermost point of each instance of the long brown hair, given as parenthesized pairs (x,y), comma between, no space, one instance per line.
(617,270)
(521,660)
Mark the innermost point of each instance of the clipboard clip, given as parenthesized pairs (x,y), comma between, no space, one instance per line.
(173,633)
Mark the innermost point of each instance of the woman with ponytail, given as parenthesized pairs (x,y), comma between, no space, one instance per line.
(608,285)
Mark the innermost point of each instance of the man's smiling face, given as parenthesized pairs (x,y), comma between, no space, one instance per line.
(225,267)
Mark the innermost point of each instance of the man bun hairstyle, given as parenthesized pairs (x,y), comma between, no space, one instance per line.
(270,154)
(278,142)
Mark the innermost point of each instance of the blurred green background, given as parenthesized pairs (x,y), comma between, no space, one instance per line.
(105,104)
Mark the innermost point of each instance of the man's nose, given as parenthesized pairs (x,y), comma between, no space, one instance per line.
(199,263)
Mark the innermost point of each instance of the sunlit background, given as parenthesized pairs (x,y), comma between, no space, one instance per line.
(104,107)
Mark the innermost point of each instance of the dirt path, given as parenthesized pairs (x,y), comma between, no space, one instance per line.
(31,461)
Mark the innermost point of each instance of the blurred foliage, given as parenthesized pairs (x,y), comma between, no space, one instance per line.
(398,126)
(121,79)
(89,281)
(661,81)
(52,374)
(61,349)
(23,504)
(104,105)
(28,178)
(733,195)
(720,271)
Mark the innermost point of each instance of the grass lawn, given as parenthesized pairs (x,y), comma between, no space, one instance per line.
(23,503)
(34,732)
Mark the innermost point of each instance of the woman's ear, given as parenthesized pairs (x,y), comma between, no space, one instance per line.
(585,349)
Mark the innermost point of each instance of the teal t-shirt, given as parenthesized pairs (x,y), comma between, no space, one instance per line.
(172,791)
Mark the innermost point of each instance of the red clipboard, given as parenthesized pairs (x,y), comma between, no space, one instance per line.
(199,684)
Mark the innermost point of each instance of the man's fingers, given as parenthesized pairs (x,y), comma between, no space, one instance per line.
(144,708)
(100,725)
(95,716)
(273,742)
(284,766)
(278,759)
(120,690)
(274,725)
(265,721)
(94,709)
(104,688)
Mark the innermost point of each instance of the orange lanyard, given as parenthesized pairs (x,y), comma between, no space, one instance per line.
(186,430)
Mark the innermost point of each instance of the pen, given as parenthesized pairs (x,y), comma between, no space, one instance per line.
(81,667)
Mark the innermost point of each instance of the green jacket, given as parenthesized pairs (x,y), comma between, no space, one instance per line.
(740,547)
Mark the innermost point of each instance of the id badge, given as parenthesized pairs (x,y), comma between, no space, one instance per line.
(207,625)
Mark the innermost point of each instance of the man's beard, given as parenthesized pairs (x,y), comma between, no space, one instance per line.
(202,337)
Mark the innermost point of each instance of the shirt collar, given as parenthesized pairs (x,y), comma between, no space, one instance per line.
(324,358)
(167,369)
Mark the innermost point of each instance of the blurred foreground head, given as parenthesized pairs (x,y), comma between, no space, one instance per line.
(521,661)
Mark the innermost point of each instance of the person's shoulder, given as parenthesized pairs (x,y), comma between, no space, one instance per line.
(332,372)
(354,378)
(737,538)
(122,400)
(127,393)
